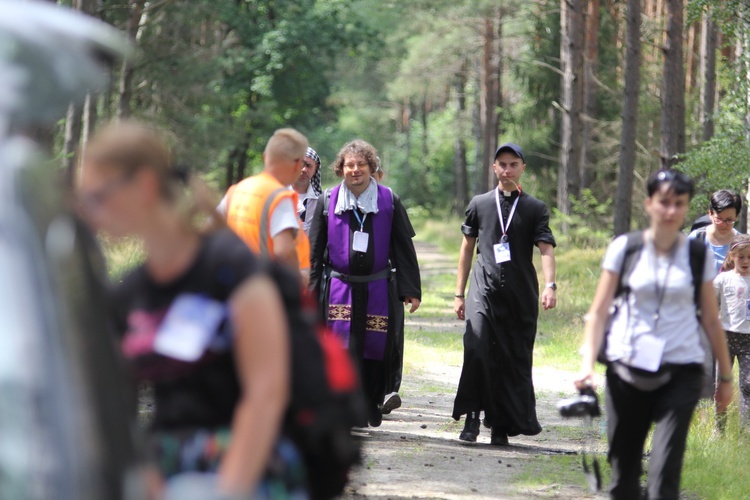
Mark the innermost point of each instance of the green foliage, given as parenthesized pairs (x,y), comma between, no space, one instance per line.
(588,225)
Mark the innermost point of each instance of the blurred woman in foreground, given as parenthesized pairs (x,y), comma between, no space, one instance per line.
(653,349)
(198,321)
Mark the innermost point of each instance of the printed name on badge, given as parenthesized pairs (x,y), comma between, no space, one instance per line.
(502,252)
(361,241)
(189,327)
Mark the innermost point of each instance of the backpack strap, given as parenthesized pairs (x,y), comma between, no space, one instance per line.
(697,261)
(326,201)
(264,220)
(633,249)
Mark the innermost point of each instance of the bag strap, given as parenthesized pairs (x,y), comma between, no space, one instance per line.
(633,249)
(264,220)
(697,261)
(326,201)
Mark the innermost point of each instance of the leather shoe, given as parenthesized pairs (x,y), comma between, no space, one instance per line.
(499,438)
(471,428)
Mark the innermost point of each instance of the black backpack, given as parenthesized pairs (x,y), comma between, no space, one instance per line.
(633,248)
(326,400)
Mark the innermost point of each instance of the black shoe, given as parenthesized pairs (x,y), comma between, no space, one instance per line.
(374,416)
(471,428)
(499,438)
(390,403)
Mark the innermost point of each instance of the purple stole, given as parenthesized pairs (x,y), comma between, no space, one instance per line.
(340,295)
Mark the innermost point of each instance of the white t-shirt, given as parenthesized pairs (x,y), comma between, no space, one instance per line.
(734,298)
(283,217)
(677,324)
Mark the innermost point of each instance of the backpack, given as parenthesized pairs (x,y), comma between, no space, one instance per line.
(326,400)
(633,248)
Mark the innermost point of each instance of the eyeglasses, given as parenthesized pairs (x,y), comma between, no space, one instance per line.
(719,220)
(352,166)
(95,199)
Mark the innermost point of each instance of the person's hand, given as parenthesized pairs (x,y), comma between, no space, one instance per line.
(723,395)
(459,306)
(414,302)
(585,379)
(549,299)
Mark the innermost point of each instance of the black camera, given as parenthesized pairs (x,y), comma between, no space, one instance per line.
(586,404)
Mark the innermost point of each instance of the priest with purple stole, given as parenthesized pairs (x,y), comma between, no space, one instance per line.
(363,267)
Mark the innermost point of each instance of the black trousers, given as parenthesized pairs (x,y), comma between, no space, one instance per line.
(630,413)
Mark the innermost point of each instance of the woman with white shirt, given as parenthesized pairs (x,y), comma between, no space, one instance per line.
(653,349)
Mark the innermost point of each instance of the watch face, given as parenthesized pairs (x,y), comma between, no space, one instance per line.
(552,286)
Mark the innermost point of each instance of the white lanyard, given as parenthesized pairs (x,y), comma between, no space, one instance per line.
(503,227)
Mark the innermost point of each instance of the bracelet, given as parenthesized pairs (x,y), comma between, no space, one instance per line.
(460,296)
(726,379)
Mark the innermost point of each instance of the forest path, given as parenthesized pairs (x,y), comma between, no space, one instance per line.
(415,453)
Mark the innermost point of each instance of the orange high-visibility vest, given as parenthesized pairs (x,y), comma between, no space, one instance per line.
(250,204)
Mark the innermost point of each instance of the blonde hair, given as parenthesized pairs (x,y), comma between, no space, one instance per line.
(286,144)
(129,146)
(740,242)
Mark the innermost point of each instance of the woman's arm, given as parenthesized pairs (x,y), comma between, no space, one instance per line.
(262,358)
(718,339)
(596,321)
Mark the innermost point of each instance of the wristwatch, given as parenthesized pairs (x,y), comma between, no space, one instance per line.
(551,285)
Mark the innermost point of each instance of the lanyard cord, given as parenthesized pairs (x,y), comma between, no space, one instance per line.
(503,227)
(661,290)
(361,220)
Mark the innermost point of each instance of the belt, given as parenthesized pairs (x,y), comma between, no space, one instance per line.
(385,273)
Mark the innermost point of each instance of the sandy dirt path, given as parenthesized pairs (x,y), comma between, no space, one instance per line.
(416,453)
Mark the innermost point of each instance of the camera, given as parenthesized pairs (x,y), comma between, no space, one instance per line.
(586,404)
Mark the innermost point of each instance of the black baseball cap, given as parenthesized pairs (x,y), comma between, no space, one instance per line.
(512,148)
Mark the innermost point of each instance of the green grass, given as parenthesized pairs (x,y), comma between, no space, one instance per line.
(122,255)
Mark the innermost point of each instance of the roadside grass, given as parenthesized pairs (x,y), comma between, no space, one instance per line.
(549,472)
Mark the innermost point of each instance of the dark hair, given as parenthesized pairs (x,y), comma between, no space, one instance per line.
(723,199)
(676,182)
(356,147)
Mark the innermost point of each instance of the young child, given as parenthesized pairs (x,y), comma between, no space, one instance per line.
(733,288)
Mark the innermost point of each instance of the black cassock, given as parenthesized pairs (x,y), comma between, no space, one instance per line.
(501,314)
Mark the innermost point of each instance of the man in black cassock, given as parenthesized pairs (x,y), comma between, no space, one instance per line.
(503,303)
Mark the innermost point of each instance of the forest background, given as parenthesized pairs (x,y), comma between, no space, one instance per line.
(599,93)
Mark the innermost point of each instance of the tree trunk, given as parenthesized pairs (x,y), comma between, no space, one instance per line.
(90,118)
(495,125)
(73,125)
(126,69)
(460,178)
(589,93)
(571,58)
(480,172)
(673,88)
(624,197)
(708,75)
(489,100)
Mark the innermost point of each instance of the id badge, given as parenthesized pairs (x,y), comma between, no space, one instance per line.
(502,252)
(189,327)
(361,241)
(647,352)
